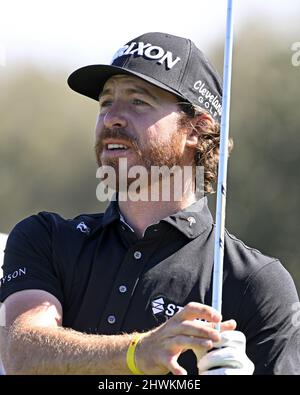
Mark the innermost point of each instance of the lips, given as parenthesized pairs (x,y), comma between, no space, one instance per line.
(116,140)
(113,147)
(114,144)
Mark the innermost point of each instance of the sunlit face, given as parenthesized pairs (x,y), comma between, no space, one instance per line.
(138,121)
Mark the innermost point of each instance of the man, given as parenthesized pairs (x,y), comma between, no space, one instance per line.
(129,291)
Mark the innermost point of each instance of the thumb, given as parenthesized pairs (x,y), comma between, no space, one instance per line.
(175,368)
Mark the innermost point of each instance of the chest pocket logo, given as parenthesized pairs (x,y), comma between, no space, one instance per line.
(162,308)
(158,306)
(83,228)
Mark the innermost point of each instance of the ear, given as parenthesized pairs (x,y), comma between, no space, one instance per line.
(194,128)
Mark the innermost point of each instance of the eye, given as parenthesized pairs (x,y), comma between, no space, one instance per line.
(139,102)
(105,103)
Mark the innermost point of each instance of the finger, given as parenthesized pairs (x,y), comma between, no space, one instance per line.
(195,310)
(175,368)
(229,358)
(228,325)
(184,343)
(232,339)
(198,329)
(199,346)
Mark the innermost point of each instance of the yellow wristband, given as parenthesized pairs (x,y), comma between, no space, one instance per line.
(130,357)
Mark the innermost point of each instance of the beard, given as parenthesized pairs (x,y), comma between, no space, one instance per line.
(158,153)
(153,153)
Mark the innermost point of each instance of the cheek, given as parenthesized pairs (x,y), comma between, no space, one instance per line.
(167,130)
(161,130)
(153,133)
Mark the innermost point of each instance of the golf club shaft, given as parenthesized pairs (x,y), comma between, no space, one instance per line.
(222,170)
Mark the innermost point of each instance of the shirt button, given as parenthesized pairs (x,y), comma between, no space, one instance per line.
(122,288)
(111,319)
(137,255)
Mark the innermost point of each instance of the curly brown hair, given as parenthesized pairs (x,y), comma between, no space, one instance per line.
(207,151)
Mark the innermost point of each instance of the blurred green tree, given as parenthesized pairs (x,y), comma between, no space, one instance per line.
(46,147)
(47,160)
(263,180)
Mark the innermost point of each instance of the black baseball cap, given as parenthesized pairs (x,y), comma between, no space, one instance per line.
(172,63)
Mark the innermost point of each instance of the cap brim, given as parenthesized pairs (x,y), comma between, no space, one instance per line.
(89,80)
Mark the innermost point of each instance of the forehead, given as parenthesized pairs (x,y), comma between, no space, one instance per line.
(128,82)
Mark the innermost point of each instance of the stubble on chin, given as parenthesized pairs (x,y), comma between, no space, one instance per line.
(147,155)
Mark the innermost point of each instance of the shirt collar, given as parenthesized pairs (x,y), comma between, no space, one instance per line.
(111,214)
(192,221)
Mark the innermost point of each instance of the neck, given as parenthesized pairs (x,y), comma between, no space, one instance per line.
(141,214)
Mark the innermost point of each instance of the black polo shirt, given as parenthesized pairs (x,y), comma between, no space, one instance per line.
(109,281)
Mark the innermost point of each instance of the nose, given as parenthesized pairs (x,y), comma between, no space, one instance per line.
(115,117)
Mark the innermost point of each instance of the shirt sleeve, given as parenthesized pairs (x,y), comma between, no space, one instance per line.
(28,259)
(267,321)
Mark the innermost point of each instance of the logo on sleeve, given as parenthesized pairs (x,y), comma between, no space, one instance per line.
(12,276)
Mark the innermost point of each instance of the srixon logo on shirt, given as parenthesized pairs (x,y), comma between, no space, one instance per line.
(161,307)
(148,51)
(12,276)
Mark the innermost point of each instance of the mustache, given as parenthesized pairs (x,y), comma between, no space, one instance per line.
(117,133)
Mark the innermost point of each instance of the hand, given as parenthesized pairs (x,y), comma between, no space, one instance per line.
(229,358)
(158,350)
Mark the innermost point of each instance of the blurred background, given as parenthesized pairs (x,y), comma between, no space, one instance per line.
(47,131)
